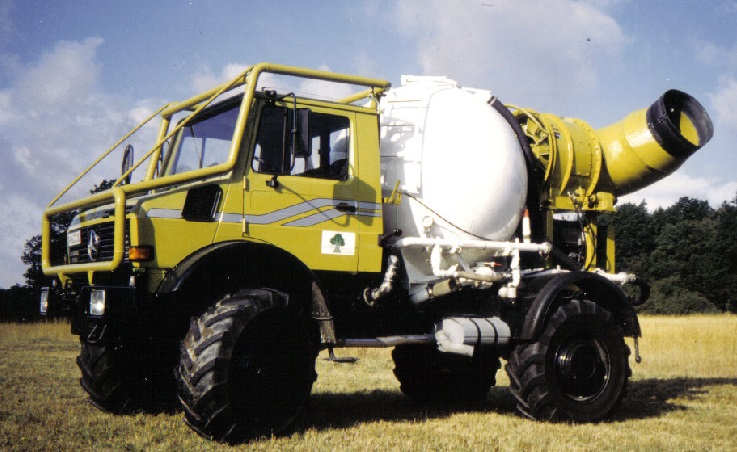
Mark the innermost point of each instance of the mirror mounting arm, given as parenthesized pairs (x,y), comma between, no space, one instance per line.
(273,182)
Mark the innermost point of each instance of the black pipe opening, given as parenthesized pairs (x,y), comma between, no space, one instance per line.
(664,122)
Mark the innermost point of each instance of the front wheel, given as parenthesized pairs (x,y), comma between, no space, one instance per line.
(127,378)
(246,367)
(577,370)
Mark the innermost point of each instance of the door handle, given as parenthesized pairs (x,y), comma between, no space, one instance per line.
(346,207)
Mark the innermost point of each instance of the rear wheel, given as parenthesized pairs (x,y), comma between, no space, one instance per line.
(246,367)
(429,376)
(577,370)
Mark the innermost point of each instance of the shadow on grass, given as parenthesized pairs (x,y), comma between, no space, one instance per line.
(327,411)
(655,397)
(645,399)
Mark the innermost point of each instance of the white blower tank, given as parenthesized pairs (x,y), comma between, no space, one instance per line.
(462,170)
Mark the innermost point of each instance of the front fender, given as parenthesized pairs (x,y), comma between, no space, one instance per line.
(223,268)
(594,287)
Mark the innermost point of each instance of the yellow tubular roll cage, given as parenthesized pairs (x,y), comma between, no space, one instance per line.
(120,191)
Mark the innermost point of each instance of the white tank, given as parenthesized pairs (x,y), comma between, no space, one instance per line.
(462,171)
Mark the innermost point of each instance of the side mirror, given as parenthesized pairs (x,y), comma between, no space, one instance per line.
(301,135)
(128,159)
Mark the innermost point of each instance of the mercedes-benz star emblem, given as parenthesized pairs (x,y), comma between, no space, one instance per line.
(93,246)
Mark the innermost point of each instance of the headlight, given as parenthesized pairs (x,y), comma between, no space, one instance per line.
(43,305)
(97,302)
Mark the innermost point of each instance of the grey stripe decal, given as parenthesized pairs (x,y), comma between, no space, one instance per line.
(231,217)
(316,218)
(366,209)
(363,205)
(287,212)
(164,213)
(362,213)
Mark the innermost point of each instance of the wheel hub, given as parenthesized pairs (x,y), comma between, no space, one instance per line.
(582,368)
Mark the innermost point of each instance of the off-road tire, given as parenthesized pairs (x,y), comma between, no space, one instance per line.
(576,371)
(428,376)
(246,367)
(123,379)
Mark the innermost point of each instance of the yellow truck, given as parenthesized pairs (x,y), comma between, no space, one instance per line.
(268,225)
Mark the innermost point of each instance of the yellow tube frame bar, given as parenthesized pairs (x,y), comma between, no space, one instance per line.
(119,192)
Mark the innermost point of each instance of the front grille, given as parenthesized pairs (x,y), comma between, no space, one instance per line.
(97,249)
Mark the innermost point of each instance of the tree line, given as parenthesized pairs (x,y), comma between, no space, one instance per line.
(688,253)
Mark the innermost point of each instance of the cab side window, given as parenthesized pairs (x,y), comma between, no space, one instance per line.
(317,147)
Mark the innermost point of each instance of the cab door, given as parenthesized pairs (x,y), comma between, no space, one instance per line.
(303,190)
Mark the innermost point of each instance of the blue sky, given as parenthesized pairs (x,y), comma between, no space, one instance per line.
(76,75)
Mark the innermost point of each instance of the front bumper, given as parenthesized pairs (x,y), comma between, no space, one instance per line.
(101,313)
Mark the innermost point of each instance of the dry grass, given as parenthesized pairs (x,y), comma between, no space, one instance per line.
(683,396)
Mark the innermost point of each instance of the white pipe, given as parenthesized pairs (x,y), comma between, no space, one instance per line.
(621,277)
(426,242)
(436,260)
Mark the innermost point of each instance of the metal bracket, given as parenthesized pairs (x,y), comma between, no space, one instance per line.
(341,359)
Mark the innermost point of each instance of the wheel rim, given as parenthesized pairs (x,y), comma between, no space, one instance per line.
(583,368)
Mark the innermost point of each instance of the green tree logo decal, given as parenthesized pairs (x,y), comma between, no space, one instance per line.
(338,241)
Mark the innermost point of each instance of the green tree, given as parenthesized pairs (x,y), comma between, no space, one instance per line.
(35,279)
(635,237)
(684,209)
(102,186)
(687,253)
(726,248)
(669,297)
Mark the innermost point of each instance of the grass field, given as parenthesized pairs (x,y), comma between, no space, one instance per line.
(682,397)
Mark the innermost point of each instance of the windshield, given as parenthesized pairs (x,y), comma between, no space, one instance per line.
(205,141)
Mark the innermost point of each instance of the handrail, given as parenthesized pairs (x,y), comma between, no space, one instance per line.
(104,155)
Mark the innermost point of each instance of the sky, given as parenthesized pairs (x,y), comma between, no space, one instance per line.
(77,75)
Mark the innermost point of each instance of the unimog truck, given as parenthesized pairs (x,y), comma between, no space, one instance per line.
(267,226)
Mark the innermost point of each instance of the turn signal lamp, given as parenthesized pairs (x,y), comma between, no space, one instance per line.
(140,253)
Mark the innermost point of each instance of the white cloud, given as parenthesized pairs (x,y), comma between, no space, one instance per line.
(508,44)
(724,103)
(19,221)
(668,191)
(60,78)
(205,79)
(54,120)
(365,64)
(55,117)
(324,90)
(714,54)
